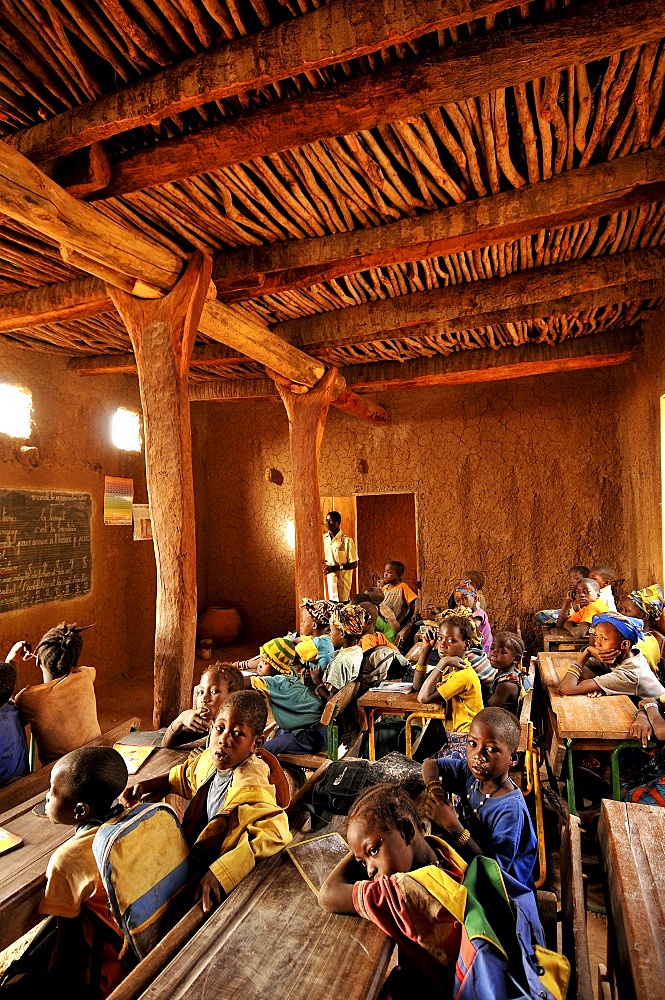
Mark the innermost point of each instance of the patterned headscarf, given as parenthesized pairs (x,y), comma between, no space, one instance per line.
(350,618)
(465,587)
(630,628)
(281,654)
(649,600)
(319,610)
(461,612)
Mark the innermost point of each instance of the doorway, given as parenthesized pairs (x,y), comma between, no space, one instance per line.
(386,529)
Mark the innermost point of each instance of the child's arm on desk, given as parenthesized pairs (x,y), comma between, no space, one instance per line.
(579,678)
(151,786)
(428,692)
(336,893)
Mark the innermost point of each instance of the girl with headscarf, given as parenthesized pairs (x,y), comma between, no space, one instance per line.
(613,664)
(647,606)
(347,623)
(313,645)
(466,596)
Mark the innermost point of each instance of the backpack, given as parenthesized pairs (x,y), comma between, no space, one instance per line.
(339,785)
(381,663)
(143,860)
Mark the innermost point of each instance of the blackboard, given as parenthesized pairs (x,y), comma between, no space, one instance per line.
(44,547)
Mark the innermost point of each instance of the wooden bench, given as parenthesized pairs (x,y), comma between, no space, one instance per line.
(23,871)
(575,943)
(632,840)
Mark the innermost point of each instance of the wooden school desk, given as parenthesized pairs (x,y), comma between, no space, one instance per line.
(23,871)
(555,639)
(632,839)
(271,938)
(376,703)
(577,722)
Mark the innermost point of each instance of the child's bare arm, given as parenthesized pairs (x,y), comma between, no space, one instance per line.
(428,692)
(650,709)
(440,812)
(151,786)
(336,893)
(430,770)
(66,959)
(503,692)
(192,721)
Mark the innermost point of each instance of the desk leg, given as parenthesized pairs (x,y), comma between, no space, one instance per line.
(616,782)
(407,730)
(370,737)
(570,778)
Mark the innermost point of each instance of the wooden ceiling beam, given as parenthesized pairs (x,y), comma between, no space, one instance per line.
(499,59)
(463,368)
(338,32)
(522,295)
(210,355)
(577,196)
(133,262)
(56,303)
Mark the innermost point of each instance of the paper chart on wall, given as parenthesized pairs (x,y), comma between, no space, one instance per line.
(118,499)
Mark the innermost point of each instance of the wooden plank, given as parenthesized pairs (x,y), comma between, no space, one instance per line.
(23,871)
(319,954)
(575,942)
(13,795)
(53,303)
(575,196)
(549,291)
(632,840)
(210,355)
(340,31)
(162,332)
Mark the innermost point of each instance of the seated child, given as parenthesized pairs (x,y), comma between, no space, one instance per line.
(62,711)
(347,623)
(604,577)
(587,597)
(575,574)
(466,596)
(391,876)
(314,645)
(453,681)
(233,819)
(399,597)
(475,653)
(371,638)
(492,817)
(295,709)
(216,684)
(386,621)
(477,578)
(648,605)
(613,664)
(13,746)
(84,785)
(649,645)
(506,655)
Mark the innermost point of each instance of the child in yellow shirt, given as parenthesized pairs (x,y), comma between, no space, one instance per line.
(589,604)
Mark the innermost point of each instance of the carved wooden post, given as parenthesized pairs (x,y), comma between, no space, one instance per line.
(307,417)
(162,332)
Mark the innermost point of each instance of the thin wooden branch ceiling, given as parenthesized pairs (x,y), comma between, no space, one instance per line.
(57,56)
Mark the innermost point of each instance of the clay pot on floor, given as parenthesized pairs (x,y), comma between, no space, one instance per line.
(221,623)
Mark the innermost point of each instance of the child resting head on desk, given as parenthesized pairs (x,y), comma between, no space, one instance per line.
(84,785)
(453,680)
(491,817)
(234,818)
(613,664)
(586,596)
(393,876)
(216,684)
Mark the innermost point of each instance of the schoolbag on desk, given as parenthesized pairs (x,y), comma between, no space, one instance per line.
(381,663)
(143,860)
(339,785)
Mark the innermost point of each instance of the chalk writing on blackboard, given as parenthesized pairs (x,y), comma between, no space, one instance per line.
(45,552)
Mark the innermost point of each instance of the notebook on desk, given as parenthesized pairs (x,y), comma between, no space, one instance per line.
(315,858)
(8,841)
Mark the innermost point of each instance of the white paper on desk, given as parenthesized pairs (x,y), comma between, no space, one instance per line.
(400,687)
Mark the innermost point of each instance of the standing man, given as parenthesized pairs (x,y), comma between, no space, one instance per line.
(341,559)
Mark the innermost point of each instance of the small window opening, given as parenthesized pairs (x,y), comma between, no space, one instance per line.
(126,430)
(15,411)
(291,534)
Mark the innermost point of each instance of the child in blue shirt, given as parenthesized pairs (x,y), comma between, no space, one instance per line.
(314,645)
(492,817)
(13,746)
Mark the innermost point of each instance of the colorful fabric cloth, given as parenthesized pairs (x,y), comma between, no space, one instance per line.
(482,621)
(501,824)
(337,551)
(399,597)
(454,747)
(509,676)
(467,588)
(651,651)
(62,713)
(344,667)
(373,639)
(382,626)
(351,619)
(630,628)
(586,614)
(293,705)
(281,654)
(13,746)
(320,611)
(480,662)
(460,689)
(649,600)
(316,649)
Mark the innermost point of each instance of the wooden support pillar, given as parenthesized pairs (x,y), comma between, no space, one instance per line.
(307,418)
(162,332)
